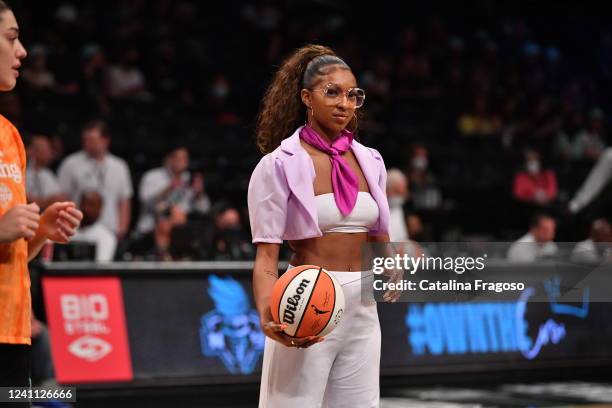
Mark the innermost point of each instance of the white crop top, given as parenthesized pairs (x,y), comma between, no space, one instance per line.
(361,219)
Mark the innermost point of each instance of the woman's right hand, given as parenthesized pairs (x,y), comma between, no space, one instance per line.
(265,275)
(275,331)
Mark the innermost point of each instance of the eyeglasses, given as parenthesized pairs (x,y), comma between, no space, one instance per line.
(333,93)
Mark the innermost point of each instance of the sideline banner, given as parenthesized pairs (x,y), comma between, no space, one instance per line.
(199,325)
(87,329)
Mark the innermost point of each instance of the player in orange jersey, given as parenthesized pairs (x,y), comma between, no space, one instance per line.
(23,230)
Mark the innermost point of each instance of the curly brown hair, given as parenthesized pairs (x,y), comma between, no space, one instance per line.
(282,110)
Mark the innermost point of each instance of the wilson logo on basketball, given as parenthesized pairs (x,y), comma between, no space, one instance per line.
(294,301)
(307,300)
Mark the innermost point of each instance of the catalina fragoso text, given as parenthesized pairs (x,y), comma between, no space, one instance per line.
(450,285)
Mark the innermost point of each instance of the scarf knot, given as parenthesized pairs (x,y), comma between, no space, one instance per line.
(345,183)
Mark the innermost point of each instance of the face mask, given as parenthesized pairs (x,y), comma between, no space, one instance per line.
(395,202)
(419,163)
(533,166)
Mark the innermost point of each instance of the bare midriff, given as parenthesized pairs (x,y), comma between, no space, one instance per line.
(335,251)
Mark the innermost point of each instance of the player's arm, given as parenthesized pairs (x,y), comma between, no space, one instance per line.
(35,245)
(57,223)
(265,275)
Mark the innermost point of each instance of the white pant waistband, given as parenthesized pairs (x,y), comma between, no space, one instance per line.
(346,277)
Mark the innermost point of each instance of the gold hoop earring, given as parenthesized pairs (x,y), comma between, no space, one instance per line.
(312,113)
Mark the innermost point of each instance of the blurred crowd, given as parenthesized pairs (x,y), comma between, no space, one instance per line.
(143,112)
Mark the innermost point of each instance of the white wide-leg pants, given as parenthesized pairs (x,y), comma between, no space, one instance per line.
(340,372)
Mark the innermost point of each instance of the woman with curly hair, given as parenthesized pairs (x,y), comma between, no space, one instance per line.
(324,192)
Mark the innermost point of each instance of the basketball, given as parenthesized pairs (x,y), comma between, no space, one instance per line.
(309,300)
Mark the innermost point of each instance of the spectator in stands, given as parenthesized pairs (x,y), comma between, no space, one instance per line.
(42,185)
(414,228)
(535,185)
(125,80)
(162,234)
(585,144)
(573,124)
(597,179)
(220,103)
(498,72)
(36,74)
(414,79)
(93,231)
(171,186)
(95,169)
(397,194)
(597,247)
(230,240)
(424,190)
(544,122)
(538,243)
(378,80)
(479,122)
(157,245)
(416,233)
(93,73)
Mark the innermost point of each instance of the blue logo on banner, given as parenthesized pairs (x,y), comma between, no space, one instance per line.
(231,331)
(462,328)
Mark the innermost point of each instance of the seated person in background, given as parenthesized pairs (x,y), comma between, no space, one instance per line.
(538,243)
(230,241)
(397,194)
(424,190)
(42,185)
(170,186)
(157,244)
(583,144)
(415,228)
(92,230)
(94,168)
(479,122)
(535,185)
(594,249)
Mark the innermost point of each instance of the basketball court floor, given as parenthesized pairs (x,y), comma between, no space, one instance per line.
(516,395)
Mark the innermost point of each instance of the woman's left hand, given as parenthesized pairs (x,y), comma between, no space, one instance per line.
(395,276)
(60,221)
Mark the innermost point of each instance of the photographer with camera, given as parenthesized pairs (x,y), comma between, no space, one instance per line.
(169,189)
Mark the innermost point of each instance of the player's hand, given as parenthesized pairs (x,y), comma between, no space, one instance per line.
(395,276)
(275,331)
(20,221)
(36,325)
(60,221)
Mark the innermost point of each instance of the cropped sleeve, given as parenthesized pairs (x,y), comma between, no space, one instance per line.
(382,226)
(382,180)
(268,195)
